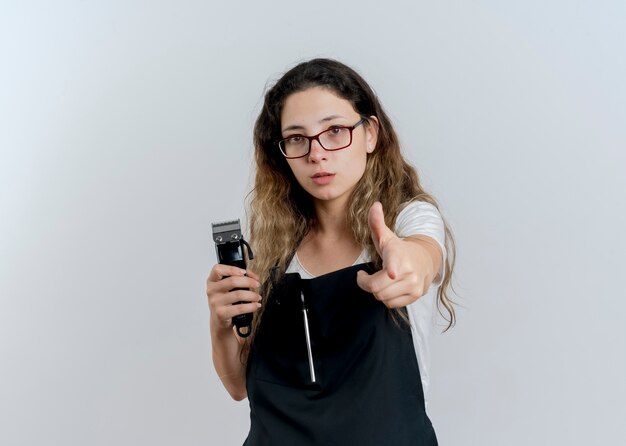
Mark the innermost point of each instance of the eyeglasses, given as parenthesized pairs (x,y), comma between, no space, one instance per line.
(335,138)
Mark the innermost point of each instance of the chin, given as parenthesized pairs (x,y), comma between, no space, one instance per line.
(328,196)
(323,194)
(324,197)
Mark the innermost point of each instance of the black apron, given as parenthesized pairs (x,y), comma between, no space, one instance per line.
(367,388)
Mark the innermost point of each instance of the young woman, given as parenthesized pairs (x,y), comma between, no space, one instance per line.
(350,258)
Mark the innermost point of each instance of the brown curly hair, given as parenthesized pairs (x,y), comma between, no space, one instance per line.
(281,213)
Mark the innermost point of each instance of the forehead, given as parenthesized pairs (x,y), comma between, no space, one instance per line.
(312,105)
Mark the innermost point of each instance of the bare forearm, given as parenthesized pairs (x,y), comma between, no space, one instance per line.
(227,285)
(431,249)
(227,360)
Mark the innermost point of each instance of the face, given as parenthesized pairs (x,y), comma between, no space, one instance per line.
(327,175)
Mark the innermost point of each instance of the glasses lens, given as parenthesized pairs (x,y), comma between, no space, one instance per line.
(335,138)
(294,146)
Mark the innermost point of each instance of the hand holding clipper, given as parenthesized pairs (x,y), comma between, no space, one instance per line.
(229,245)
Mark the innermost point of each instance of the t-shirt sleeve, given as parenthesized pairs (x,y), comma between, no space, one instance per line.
(422,218)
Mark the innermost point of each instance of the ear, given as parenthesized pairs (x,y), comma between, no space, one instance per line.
(371,133)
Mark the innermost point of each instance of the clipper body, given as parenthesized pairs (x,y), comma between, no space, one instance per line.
(230,247)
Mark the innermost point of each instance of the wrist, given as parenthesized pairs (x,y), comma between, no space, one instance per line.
(220,329)
(429,255)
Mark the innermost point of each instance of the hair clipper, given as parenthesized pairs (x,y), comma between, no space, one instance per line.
(229,245)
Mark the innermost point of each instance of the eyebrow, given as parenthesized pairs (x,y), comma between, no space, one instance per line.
(321,121)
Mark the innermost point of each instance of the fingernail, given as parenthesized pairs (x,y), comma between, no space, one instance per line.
(242,271)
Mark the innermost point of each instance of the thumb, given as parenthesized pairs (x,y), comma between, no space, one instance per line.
(380,231)
(381,234)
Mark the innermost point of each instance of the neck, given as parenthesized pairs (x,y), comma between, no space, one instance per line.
(331,219)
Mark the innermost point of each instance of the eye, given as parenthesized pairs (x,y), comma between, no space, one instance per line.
(337,132)
(295,139)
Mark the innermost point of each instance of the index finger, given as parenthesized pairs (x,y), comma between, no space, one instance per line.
(219,271)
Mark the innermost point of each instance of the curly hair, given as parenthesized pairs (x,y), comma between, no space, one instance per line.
(281,213)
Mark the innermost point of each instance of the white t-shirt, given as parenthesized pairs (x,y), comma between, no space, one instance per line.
(417,217)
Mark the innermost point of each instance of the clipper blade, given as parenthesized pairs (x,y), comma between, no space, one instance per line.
(226,231)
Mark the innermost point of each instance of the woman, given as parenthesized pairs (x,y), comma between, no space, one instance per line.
(350,259)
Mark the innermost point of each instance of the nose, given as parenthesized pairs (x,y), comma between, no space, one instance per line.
(317,152)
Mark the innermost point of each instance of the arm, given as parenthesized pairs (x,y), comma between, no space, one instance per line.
(427,248)
(226,345)
(409,265)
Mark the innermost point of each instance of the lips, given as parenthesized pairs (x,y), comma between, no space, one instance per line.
(322,174)
(322,178)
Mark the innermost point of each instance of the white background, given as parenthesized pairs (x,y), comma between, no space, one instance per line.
(125,130)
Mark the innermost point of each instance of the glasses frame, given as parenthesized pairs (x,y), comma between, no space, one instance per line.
(317,138)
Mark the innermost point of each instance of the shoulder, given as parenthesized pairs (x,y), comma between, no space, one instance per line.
(418,217)
(416,205)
